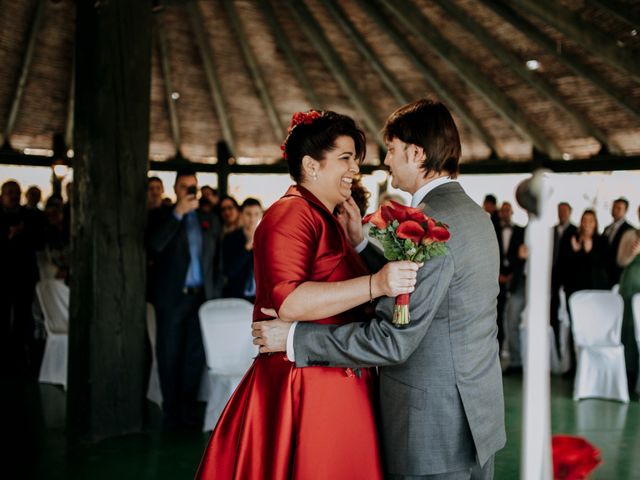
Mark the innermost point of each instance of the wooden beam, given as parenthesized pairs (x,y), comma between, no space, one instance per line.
(413,19)
(389,80)
(34,29)
(620,10)
(215,88)
(284,45)
(163,56)
(532,78)
(107,331)
(597,163)
(317,38)
(457,105)
(254,70)
(222,167)
(573,62)
(587,35)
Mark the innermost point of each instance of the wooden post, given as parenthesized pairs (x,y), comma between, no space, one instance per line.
(107,309)
(223,153)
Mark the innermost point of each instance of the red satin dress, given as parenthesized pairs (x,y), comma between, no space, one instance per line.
(284,422)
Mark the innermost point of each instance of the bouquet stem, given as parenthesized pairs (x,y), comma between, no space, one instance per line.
(401,311)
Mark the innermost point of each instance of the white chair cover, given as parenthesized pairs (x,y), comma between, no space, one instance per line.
(154,393)
(597,325)
(53,295)
(559,361)
(635,302)
(229,349)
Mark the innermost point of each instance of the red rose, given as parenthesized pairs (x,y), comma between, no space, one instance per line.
(204,224)
(411,230)
(376,219)
(573,457)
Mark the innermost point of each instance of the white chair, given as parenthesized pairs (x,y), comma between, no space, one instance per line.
(635,302)
(54,300)
(597,325)
(559,361)
(229,349)
(154,393)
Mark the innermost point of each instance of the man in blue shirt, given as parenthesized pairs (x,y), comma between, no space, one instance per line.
(186,244)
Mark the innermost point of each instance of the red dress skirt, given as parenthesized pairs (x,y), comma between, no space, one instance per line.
(284,422)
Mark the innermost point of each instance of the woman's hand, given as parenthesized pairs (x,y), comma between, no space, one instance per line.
(575,244)
(394,279)
(350,219)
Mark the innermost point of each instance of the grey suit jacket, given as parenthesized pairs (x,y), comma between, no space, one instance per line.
(440,382)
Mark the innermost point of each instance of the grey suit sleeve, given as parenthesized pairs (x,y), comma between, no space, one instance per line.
(378,342)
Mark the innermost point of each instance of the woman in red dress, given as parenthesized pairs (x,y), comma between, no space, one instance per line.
(313,423)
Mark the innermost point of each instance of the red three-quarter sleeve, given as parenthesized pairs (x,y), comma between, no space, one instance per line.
(286,243)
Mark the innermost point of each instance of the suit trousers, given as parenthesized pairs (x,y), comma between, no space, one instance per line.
(181,359)
(474,473)
(513,312)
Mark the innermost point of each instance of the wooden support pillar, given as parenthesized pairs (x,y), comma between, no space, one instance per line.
(223,153)
(106,376)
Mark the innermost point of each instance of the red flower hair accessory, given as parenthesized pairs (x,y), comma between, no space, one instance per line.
(298,118)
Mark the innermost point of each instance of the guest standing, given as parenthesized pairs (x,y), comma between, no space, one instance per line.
(187,271)
(629,259)
(613,234)
(238,252)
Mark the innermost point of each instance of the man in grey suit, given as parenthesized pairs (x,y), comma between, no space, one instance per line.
(440,378)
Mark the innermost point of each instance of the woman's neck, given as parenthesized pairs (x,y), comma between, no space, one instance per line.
(312,187)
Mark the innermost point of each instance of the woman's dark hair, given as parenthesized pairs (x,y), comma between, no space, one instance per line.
(317,137)
(589,211)
(233,200)
(429,125)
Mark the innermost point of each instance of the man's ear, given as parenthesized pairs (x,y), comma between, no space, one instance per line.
(417,154)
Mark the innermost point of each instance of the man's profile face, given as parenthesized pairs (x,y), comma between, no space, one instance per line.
(402,175)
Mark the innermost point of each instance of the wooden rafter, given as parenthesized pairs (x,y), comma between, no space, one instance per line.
(284,45)
(387,77)
(163,54)
(215,88)
(597,163)
(571,61)
(36,22)
(620,10)
(589,36)
(336,66)
(457,105)
(413,19)
(534,79)
(254,70)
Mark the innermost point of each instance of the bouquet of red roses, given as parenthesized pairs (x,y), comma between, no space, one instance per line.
(406,233)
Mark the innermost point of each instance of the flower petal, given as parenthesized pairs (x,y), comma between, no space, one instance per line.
(410,230)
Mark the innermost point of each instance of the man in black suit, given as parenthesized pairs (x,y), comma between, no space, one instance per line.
(613,233)
(238,251)
(510,237)
(562,232)
(187,271)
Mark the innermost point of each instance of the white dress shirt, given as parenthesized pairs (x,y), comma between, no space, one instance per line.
(417,197)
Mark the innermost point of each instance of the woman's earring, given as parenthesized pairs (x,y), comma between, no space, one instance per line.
(314,176)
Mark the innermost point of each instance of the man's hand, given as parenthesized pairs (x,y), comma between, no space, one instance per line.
(271,335)
(186,204)
(350,219)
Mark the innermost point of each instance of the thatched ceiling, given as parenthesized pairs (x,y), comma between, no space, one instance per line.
(236,70)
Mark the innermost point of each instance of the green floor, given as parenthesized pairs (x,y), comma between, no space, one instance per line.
(37,446)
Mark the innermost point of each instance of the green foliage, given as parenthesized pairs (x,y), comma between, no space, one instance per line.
(404,249)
